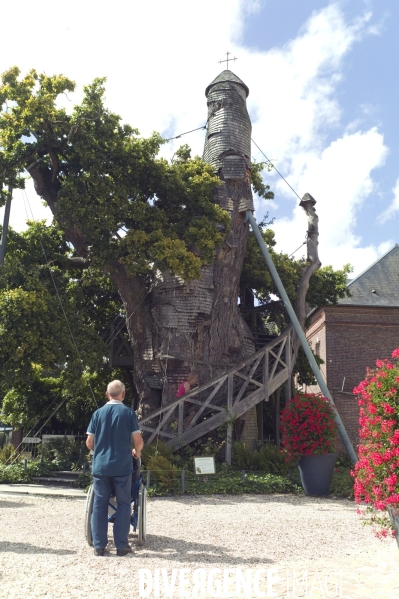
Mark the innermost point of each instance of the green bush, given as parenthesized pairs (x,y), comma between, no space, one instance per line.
(342,483)
(3,439)
(8,455)
(16,473)
(64,454)
(231,483)
(155,449)
(164,474)
(268,459)
(84,480)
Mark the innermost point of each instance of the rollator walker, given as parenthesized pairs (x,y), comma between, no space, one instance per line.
(138,518)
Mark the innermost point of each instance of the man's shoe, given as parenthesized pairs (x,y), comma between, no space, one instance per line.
(100,552)
(124,551)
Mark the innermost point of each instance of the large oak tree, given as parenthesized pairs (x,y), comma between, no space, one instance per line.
(126,221)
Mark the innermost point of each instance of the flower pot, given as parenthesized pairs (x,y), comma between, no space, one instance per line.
(316,473)
(393,513)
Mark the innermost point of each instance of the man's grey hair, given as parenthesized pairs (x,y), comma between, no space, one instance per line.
(115,388)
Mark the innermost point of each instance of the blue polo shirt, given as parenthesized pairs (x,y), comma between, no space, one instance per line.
(112,427)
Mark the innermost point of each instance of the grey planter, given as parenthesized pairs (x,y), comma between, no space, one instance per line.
(316,473)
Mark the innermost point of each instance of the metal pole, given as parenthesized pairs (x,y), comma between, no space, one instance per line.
(301,336)
(3,242)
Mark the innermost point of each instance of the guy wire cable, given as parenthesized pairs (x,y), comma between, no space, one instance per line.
(69,328)
(126,320)
(303,243)
(268,160)
(61,304)
(46,409)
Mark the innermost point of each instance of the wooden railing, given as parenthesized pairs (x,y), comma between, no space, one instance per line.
(225,397)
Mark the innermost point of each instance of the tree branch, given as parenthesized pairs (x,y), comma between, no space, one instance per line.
(70,263)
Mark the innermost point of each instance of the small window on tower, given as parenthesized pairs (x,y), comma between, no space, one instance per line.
(317,348)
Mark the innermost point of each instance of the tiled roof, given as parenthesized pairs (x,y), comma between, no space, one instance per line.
(227,75)
(378,285)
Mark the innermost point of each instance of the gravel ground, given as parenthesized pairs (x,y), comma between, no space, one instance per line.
(43,553)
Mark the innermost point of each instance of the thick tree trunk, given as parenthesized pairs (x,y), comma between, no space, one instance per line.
(196,326)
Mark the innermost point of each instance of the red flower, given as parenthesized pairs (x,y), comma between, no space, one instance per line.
(376,481)
(307,426)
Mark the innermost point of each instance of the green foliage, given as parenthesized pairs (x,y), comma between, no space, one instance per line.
(39,365)
(84,480)
(8,454)
(344,461)
(163,473)
(97,172)
(16,473)
(229,482)
(65,454)
(157,448)
(303,368)
(267,459)
(326,285)
(258,185)
(342,482)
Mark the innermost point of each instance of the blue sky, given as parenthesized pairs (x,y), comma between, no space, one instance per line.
(368,92)
(324,95)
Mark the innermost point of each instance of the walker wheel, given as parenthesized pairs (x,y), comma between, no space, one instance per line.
(142,514)
(88,513)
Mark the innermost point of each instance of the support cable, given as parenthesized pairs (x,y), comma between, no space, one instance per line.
(270,163)
(61,304)
(26,200)
(126,320)
(295,251)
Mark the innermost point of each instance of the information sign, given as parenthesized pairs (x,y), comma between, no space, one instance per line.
(204,465)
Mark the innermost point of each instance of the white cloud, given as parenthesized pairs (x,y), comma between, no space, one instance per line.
(393,208)
(339,179)
(158,58)
(295,123)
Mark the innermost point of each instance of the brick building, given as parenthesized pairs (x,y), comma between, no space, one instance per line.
(352,334)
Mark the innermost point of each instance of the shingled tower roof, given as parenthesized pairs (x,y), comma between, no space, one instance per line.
(227,75)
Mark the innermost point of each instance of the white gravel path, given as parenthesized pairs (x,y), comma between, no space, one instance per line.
(43,553)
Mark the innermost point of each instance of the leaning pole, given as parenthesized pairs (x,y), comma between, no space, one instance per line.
(301,336)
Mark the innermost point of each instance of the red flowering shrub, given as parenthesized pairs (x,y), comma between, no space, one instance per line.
(307,426)
(376,472)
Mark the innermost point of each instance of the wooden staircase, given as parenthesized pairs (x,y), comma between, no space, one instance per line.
(224,398)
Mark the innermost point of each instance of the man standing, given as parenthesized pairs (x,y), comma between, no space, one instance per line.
(110,435)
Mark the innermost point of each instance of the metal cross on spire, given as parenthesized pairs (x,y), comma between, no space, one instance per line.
(227,59)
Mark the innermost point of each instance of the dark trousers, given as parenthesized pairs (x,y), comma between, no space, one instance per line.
(103,487)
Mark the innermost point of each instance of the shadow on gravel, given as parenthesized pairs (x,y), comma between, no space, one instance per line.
(6,503)
(164,548)
(28,548)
